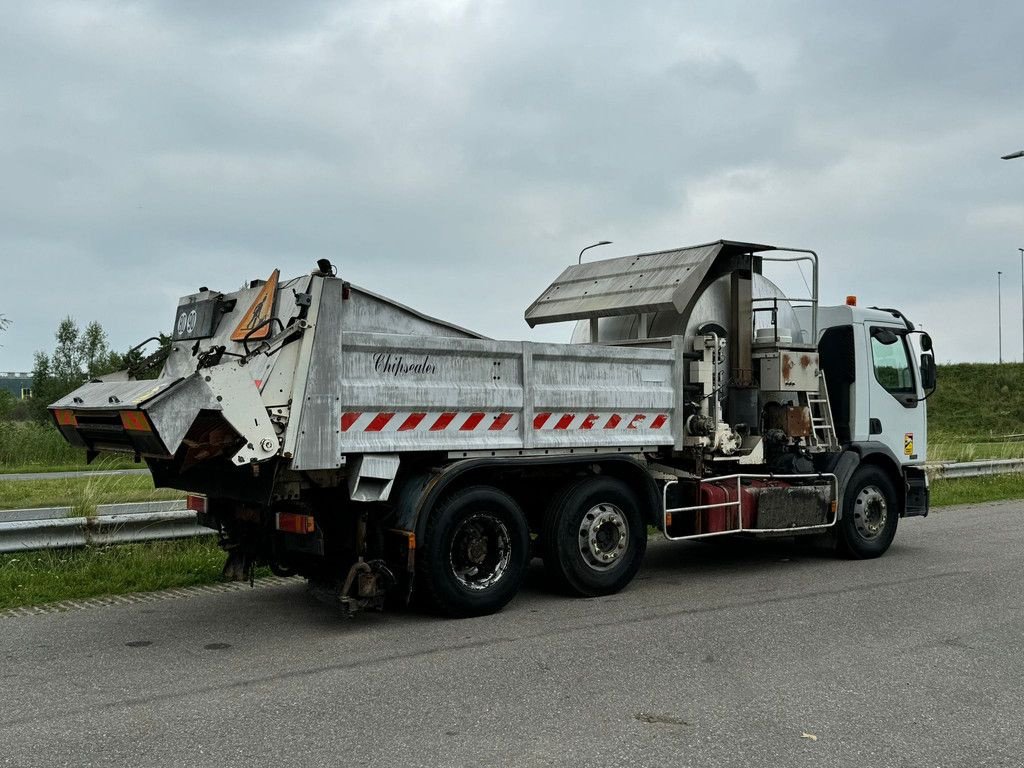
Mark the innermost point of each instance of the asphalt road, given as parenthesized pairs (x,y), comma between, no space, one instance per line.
(729,656)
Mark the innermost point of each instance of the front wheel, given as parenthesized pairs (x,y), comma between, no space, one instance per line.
(474,554)
(594,537)
(870,514)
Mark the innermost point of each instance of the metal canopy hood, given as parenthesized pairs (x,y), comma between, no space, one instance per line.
(648,282)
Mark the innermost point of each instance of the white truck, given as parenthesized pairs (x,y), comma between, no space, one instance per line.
(383,454)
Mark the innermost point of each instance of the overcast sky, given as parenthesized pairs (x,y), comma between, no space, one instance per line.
(457,155)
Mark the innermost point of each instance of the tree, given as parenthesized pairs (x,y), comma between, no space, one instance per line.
(144,363)
(7,403)
(78,357)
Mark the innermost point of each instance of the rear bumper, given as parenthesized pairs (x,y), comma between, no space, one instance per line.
(153,418)
(114,416)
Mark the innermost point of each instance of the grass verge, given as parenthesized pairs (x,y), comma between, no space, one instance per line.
(33,578)
(976,490)
(31,447)
(956,450)
(83,494)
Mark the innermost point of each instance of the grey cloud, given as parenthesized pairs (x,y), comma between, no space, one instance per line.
(457,155)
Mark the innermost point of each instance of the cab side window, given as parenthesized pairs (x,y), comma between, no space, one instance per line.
(892,361)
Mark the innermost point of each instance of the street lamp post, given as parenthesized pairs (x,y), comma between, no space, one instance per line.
(595,245)
(999,309)
(1014,156)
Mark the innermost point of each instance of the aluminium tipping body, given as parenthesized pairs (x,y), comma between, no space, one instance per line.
(345,372)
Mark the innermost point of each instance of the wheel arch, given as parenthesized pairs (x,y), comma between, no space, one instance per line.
(881,456)
(421,490)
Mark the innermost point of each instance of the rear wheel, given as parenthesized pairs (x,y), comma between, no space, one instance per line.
(870,514)
(474,553)
(594,537)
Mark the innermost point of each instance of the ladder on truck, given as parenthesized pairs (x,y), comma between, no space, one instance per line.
(823,428)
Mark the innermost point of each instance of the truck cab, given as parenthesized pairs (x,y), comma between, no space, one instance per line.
(879,370)
(886,402)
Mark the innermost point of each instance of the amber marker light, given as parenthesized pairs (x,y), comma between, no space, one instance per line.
(66,418)
(135,421)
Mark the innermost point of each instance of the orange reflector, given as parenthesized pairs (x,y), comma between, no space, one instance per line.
(135,421)
(66,418)
(668,519)
(851,301)
(195,503)
(289,522)
(835,507)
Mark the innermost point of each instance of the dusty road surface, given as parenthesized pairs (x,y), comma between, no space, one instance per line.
(752,655)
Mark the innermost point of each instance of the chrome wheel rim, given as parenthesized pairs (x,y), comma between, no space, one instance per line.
(870,512)
(481,551)
(604,536)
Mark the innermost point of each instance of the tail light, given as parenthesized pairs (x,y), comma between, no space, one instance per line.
(289,522)
(196,503)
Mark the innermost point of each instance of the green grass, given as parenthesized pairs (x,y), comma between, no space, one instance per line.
(83,494)
(32,447)
(33,578)
(976,490)
(950,450)
(977,402)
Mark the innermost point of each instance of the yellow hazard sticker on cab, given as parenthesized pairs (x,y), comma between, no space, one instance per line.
(252,325)
(908,444)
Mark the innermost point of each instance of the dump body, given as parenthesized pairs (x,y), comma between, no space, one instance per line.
(348,390)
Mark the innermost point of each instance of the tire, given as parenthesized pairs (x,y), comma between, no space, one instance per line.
(474,554)
(594,537)
(870,515)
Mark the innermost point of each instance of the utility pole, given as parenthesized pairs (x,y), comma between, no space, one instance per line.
(1014,156)
(999,305)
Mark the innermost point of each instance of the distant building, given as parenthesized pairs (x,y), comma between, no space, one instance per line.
(17,383)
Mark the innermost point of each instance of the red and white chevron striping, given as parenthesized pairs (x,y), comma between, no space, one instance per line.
(572,421)
(448,421)
(481,421)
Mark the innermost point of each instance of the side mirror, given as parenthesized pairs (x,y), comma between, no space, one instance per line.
(929,373)
(926,342)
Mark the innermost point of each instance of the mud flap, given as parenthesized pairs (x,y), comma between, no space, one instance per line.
(918,492)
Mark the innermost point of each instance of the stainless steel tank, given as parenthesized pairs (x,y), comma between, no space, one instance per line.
(712,306)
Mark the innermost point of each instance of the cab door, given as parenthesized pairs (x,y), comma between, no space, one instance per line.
(896,413)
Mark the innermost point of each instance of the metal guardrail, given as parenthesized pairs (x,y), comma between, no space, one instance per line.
(72,474)
(954,469)
(53,528)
